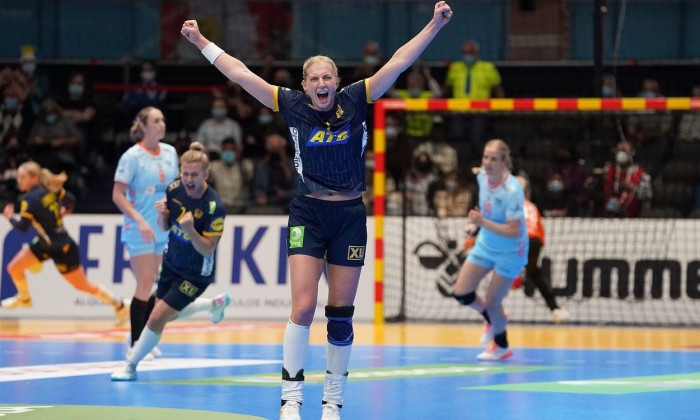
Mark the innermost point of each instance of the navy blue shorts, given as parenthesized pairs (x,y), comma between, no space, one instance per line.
(64,253)
(334,230)
(177,291)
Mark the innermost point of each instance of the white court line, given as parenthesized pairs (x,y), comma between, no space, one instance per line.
(23,373)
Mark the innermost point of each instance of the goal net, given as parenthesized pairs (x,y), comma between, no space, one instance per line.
(642,271)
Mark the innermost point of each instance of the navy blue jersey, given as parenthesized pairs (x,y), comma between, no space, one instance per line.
(42,208)
(209,213)
(329,145)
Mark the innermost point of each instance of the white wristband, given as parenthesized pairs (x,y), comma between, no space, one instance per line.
(211,52)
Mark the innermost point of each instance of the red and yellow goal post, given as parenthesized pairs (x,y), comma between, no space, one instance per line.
(381,107)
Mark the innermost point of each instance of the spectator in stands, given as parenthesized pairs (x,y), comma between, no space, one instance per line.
(371,62)
(214,130)
(443,156)
(627,186)
(266,124)
(78,106)
(35,83)
(609,87)
(689,125)
(650,132)
(147,93)
(471,78)
(15,114)
(276,180)
(418,124)
(453,198)
(54,142)
(398,150)
(420,185)
(568,185)
(231,177)
(13,155)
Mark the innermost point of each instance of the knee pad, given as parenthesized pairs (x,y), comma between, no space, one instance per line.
(339,325)
(466,299)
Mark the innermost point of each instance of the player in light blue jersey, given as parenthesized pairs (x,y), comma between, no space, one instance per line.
(327,220)
(143,174)
(501,245)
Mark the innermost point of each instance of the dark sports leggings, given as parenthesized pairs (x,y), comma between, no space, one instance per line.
(533,273)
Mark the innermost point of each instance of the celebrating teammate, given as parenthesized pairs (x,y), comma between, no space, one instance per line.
(194,215)
(43,207)
(327,220)
(501,246)
(143,173)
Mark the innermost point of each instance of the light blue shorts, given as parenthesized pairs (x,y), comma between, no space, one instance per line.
(139,248)
(507,264)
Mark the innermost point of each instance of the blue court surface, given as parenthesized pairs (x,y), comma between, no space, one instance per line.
(69,379)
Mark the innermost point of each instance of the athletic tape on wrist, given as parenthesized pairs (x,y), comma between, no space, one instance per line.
(211,52)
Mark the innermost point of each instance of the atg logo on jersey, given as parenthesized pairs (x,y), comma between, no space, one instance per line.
(321,137)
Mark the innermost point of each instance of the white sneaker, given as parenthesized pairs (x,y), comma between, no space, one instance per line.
(15,302)
(495,352)
(488,334)
(290,411)
(126,373)
(330,412)
(560,315)
(220,303)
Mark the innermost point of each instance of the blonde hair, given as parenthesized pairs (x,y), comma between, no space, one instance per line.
(49,180)
(196,154)
(136,133)
(315,60)
(503,149)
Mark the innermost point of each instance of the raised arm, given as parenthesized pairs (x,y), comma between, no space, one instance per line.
(409,52)
(230,66)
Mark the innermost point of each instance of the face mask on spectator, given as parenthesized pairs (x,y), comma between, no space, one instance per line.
(265,119)
(414,93)
(371,60)
(450,185)
(228,156)
(76,89)
(607,91)
(11,104)
(622,157)
(648,94)
(469,59)
(148,76)
(28,68)
(391,132)
(218,112)
(555,186)
(51,118)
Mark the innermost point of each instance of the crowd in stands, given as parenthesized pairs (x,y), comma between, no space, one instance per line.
(649,169)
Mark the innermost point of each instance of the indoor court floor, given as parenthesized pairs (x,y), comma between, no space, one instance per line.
(59,369)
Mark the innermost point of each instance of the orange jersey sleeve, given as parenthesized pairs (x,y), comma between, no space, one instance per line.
(533,221)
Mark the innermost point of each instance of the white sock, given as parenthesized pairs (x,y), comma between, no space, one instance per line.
(294,349)
(337,361)
(199,305)
(146,342)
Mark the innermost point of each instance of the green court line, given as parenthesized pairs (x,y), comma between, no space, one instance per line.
(610,386)
(398,372)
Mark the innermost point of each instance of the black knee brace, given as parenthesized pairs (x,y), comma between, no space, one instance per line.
(466,299)
(340,332)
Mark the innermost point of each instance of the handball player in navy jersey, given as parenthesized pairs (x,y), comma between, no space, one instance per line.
(193,215)
(327,219)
